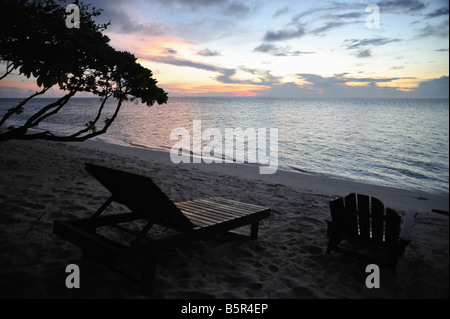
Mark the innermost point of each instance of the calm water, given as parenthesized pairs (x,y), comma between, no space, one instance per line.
(396,142)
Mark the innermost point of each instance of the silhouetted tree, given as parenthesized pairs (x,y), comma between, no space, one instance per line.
(35,40)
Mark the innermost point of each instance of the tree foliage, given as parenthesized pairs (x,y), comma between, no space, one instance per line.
(35,41)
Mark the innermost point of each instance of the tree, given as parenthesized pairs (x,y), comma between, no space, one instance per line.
(35,41)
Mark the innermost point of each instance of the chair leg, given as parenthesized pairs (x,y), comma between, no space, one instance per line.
(254,230)
(333,243)
(393,257)
(148,274)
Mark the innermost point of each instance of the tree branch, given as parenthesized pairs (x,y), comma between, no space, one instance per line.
(7,71)
(100,109)
(38,45)
(49,136)
(42,114)
(18,108)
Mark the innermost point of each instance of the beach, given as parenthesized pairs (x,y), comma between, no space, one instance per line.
(45,181)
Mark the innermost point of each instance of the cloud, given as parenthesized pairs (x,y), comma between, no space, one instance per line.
(364,53)
(356,44)
(294,30)
(264,77)
(225,73)
(434,88)
(313,85)
(401,6)
(171,51)
(328,26)
(227,7)
(281,12)
(261,77)
(351,15)
(122,22)
(437,13)
(321,20)
(183,62)
(14,92)
(208,52)
(328,11)
(440,30)
(236,9)
(278,51)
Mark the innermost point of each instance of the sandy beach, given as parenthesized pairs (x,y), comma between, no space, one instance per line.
(42,182)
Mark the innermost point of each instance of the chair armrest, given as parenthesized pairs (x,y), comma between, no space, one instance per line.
(406,232)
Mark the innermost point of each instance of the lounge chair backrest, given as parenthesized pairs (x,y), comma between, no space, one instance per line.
(364,217)
(141,196)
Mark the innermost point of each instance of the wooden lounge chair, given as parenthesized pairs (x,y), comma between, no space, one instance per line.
(365,219)
(185,222)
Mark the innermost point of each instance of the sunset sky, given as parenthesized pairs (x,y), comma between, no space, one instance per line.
(280,48)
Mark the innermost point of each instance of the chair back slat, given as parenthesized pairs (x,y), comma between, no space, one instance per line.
(351,214)
(337,210)
(377,219)
(377,225)
(363,216)
(393,221)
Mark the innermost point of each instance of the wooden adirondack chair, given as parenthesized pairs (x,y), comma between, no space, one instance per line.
(185,222)
(366,219)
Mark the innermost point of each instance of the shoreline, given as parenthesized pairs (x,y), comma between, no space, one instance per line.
(42,181)
(396,198)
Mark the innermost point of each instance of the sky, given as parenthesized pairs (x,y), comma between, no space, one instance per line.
(282,48)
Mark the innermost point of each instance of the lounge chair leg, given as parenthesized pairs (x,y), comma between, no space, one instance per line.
(254,230)
(148,275)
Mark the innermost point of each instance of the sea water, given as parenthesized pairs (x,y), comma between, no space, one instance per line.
(394,142)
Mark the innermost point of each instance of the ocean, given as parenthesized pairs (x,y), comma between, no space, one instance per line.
(401,143)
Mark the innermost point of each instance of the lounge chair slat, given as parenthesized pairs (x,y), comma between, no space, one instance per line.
(205,215)
(204,208)
(214,210)
(201,216)
(233,202)
(237,211)
(219,208)
(197,220)
(214,206)
(229,206)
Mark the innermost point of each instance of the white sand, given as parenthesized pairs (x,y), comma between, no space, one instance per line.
(44,181)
